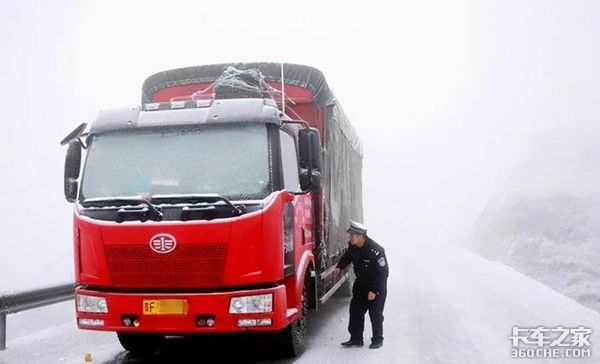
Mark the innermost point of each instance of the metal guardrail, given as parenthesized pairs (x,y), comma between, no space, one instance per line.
(16,302)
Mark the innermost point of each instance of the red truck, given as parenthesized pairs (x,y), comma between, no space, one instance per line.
(217,206)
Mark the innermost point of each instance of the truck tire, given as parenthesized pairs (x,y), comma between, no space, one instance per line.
(140,344)
(294,336)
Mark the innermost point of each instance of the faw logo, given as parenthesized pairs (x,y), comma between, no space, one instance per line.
(163,243)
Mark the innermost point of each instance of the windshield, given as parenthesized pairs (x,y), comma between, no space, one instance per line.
(230,160)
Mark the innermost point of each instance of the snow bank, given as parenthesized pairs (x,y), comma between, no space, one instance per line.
(552,238)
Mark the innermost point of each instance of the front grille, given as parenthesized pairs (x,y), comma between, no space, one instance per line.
(188,266)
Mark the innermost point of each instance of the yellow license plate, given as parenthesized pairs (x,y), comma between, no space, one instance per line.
(165,307)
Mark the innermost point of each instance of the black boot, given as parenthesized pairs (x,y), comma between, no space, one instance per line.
(352,342)
(376,345)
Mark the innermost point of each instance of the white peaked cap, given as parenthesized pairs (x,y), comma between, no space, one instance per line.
(357,227)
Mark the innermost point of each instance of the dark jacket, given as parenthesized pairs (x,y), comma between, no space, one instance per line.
(370,265)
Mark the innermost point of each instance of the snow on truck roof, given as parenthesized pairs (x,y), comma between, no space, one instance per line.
(263,108)
(300,76)
(305,77)
(187,113)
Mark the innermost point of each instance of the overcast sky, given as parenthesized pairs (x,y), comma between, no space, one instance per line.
(455,101)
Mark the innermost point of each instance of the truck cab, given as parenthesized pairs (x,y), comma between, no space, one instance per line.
(199,214)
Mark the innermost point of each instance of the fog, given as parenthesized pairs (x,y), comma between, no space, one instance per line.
(455,102)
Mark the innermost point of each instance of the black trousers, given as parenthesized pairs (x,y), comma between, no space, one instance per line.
(359,305)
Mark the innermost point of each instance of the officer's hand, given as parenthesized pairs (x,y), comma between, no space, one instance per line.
(372,296)
(336,272)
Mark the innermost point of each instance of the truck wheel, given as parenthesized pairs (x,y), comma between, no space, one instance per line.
(140,344)
(294,336)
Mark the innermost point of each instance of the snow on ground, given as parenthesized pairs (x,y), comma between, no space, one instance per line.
(445,305)
(546,221)
(550,237)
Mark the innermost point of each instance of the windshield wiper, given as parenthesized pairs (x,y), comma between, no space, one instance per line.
(155,213)
(197,198)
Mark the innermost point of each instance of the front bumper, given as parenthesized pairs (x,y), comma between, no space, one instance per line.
(199,304)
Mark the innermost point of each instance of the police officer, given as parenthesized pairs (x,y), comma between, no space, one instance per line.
(369,289)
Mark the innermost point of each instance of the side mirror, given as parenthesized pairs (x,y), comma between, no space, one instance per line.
(72,169)
(309,145)
(310,181)
(75,134)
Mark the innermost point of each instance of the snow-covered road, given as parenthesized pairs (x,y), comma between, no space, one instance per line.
(445,305)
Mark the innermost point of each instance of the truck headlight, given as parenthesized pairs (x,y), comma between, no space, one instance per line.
(251,304)
(91,304)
